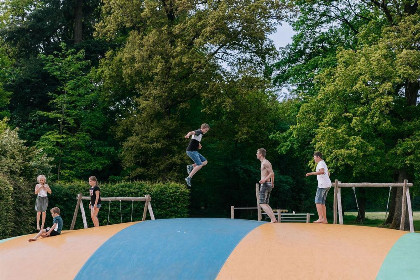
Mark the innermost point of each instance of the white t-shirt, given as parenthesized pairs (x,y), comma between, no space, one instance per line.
(323,179)
(42,192)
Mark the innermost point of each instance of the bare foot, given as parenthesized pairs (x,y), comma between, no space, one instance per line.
(32,239)
(318,221)
(273,222)
(324,222)
(37,228)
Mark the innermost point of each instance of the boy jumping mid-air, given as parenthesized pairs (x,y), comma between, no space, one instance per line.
(192,151)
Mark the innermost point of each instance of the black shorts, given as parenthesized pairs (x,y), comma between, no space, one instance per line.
(265,191)
(54,233)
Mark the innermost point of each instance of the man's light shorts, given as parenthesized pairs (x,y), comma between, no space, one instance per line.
(321,195)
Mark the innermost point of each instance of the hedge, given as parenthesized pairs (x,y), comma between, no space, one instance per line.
(169,200)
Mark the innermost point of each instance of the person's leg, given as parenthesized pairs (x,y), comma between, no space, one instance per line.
(44,214)
(324,214)
(267,209)
(196,168)
(320,213)
(95,217)
(38,235)
(265,191)
(38,214)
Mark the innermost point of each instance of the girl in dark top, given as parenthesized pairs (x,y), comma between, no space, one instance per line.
(95,200)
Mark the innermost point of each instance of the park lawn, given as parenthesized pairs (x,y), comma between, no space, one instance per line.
(376,219)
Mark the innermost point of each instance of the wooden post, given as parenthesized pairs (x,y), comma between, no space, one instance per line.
(335,201)
(410,210)
(308,217)
(82,209)
(152,216)
(404,206)
(279,217)
(340,207)
(232,212)
(257,193)
(146,204)
(76,210)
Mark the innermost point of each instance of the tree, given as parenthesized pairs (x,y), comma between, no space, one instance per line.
(80,139)
(169,63)
(19,166)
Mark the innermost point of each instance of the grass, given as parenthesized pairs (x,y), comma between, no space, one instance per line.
(376,219)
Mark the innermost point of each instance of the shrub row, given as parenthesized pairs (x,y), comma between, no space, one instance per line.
(169,200)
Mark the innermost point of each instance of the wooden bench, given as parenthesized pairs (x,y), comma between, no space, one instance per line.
(295,217)
(276,211)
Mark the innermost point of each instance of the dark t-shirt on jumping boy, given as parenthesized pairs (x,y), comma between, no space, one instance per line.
(195,140)
(92,192)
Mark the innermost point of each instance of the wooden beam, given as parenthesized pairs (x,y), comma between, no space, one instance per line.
(232,212)
(82,209)
(410,211)
(257,194)
(335,201)
(404,206)
(118,198)
(76,210)
(340,207)
(373,185)
(149,206)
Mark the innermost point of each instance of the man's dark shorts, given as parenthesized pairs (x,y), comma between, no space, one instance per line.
(265,191)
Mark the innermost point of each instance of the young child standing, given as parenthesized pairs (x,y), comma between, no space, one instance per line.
(95,200)
(55,229)
(41,190)
(192,151)
(324,185)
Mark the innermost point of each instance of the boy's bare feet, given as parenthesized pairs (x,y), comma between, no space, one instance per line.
(324,222)
(318,221)
(273,222)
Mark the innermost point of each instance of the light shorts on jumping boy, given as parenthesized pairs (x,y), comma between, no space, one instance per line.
(196,157)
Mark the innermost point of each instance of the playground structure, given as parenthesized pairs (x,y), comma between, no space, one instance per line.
(282,215)
(406,199)
(147,207)
(195,248)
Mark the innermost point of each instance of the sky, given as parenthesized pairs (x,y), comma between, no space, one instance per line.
(283,36)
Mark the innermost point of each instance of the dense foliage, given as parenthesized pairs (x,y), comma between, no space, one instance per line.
(110,88)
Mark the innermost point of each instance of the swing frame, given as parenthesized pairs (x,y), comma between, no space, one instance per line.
(147,207)
(406,199)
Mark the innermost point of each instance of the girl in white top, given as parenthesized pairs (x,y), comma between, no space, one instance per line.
(42,190)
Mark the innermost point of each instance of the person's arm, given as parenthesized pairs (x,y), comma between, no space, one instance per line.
(48,188)
(189,134)
(37,188)
(272,180)
(96,200)
(320,172)
(51,229)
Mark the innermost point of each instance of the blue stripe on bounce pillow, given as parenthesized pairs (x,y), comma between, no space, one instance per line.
(168,249)
(403,260)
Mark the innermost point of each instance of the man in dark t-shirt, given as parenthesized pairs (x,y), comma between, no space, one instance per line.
(192,151)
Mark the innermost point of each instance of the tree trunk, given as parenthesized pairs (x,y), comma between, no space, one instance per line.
(396,211)
(412,92)
(78,19)
(361,200)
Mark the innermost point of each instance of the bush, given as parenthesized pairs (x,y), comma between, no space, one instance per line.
(6,208)
(169,200)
